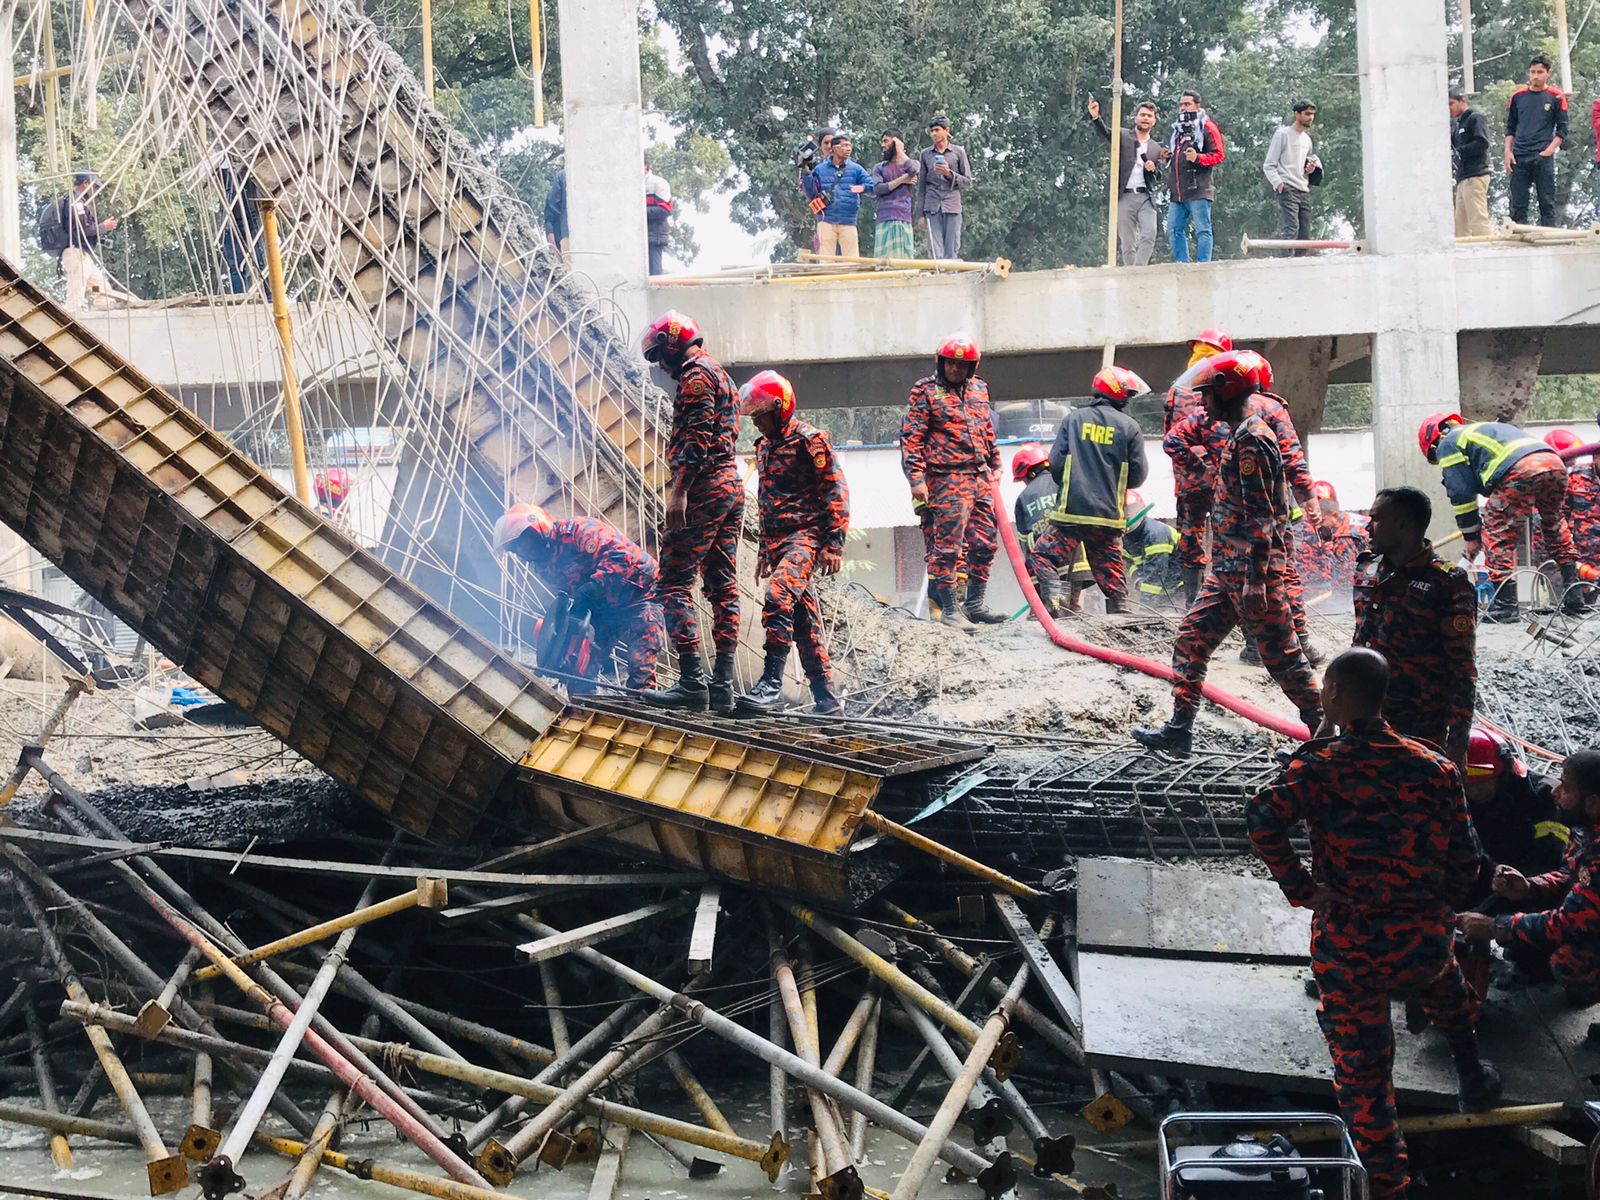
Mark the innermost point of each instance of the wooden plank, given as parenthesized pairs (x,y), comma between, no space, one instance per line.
(1558,1147)
(607,1180)
(564,841)
(703,940)
(71,842)
(545,948)
(1063,996)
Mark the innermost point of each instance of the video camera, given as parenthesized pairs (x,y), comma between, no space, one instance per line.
(1187,129)
(807,157)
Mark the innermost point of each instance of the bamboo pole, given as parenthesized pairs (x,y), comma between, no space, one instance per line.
(429,893)
(305,1170)
(427,48)
(111,60)
(52,99)
(293,419)
(91,70)
(1000,266)
(1468,67)
(954,857)
(1115,188)
(536,61)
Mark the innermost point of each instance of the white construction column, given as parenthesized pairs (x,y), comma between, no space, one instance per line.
(1410,232)
(605,149)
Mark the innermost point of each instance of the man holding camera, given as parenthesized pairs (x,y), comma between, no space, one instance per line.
(1140,167)
(894,184)
(945,174)
(837,204)
(1291,168)
(1196,149)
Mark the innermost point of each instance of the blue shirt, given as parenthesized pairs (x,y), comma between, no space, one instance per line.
(843,204)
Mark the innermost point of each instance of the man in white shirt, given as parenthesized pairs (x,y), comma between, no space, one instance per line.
(1140,168)
(1291,168)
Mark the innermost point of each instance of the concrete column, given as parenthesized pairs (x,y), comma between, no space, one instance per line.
(10,213)
(605,149)
(1405,159)
(1300,375)
(1499,371)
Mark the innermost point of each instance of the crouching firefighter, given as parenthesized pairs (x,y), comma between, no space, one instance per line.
(804,512)
(601,573)
(1149,551)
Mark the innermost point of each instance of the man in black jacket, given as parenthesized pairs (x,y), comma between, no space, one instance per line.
(1098,455)
(1139,165)
(1469,154)
(1536,127)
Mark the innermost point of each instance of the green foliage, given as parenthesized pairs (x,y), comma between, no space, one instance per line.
(1565,398)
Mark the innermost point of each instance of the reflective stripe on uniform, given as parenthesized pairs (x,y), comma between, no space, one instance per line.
(1062,517)
(1498,451)
(1553,829)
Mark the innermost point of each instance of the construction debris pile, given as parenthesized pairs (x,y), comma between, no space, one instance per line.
(248,980)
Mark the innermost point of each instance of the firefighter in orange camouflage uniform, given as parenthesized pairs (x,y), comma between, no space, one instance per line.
(705,508)
(1392,852)
(804,509)
(1563,918)
(1248,584)
(1193,451)
(606,576)
(949,454)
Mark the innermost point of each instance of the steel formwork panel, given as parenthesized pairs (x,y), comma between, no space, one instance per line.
(262,601)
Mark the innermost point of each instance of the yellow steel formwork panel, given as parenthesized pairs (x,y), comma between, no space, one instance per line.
(159,518)
(741,812)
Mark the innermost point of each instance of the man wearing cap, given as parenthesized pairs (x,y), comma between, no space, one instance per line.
(944,174)
(83,228)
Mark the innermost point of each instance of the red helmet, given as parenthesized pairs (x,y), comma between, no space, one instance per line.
(1562,439)
(1027,458)
(520,519)
(671,333)
(767,392)
(959,349)
(1232,374)
(1215,338)
(332,486)
(1489,755)
(1432,430)
(1324,492)
(1133,504)
(1119,385)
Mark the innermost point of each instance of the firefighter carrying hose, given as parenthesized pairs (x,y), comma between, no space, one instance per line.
(1097,456)
(1250,553)
(804,509)
(601,573)
(705,508)
(949,454)
(1520,475)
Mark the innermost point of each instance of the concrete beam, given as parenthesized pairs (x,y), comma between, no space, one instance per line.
(1499,369)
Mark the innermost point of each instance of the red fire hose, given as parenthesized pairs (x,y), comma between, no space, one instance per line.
(1579,451)
(1121,658)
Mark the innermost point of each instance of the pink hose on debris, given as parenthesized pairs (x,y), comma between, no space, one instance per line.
(1121,658)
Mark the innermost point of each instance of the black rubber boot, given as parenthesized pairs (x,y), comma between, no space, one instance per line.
(690,690)
(767,695)
(1574,593)
(1048,585)
(1116,605)
(1503,609)
(948,612)
(1480,1082)
(1191,585)
(1175,737)
(1250,656)
(719,691)
(977,611)
(827,704)
(1313,653)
